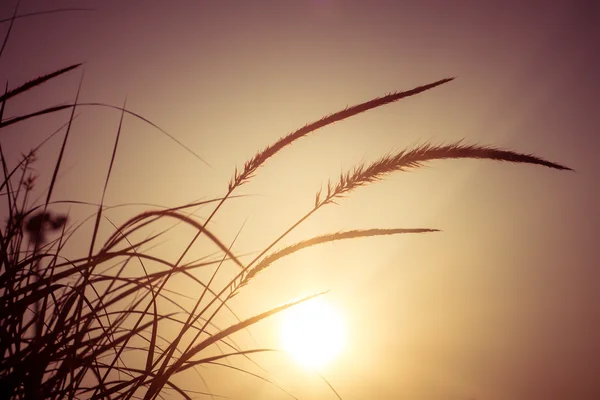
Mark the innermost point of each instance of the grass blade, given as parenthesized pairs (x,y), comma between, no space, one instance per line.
(12,22)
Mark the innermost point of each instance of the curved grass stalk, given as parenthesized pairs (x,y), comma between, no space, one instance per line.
(289,250)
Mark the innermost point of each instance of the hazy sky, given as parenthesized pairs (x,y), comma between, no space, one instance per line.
(503,304)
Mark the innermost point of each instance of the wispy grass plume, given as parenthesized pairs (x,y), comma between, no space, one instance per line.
(406,159)
(259,158)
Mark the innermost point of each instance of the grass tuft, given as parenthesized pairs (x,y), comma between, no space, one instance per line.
(77,326)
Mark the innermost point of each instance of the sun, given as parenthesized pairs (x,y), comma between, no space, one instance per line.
(313,333)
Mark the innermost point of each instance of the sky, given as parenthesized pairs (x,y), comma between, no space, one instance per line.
(502,303)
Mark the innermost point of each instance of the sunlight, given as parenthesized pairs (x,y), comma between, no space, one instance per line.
(313,333)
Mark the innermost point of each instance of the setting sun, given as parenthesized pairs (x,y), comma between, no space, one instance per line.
(313,333)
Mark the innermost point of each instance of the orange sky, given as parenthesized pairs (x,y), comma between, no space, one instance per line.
(500,305)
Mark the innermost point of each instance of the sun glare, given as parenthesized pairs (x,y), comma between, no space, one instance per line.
(313,333)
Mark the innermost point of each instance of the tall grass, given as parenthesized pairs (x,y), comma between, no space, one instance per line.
(85,328)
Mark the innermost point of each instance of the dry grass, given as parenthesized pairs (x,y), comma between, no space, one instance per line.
(70,327)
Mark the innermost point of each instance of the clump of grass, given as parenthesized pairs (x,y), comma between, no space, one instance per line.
(83,328)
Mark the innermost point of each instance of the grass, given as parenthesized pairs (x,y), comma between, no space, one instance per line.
(84,328)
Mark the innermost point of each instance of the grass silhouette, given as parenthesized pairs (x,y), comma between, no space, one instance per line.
(69,326)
